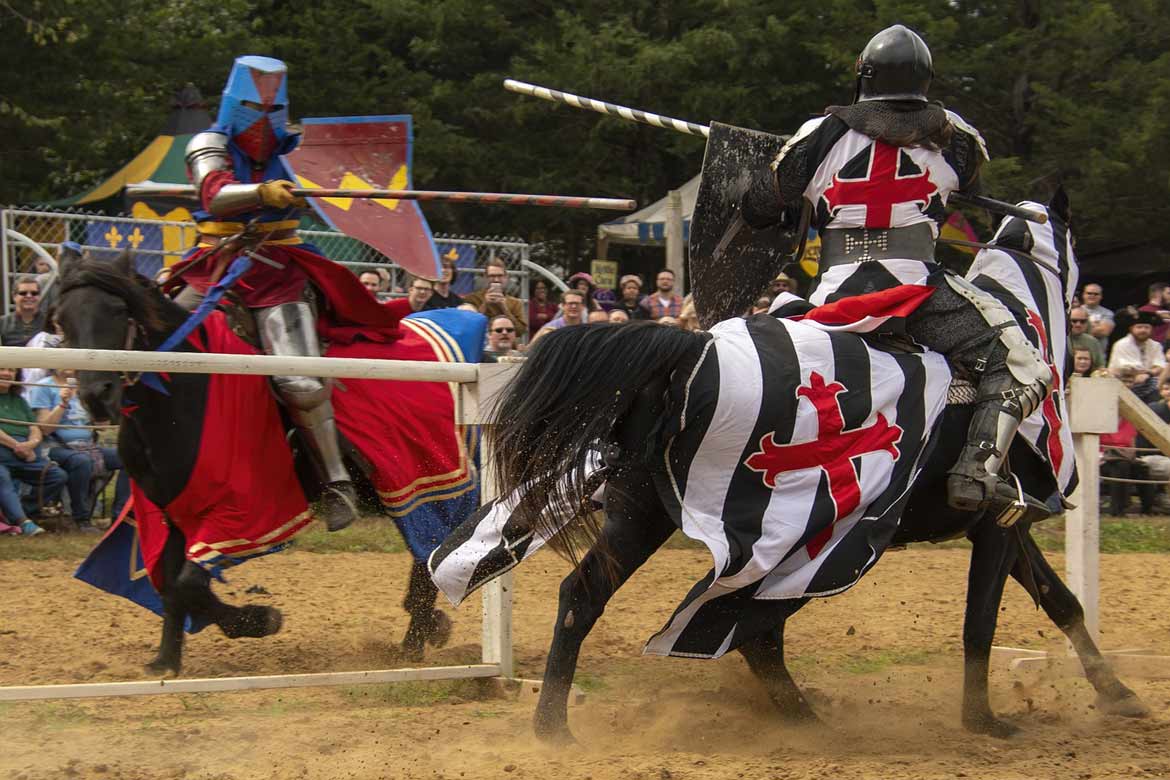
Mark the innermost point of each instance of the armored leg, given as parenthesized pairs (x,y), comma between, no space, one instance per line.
(290,329)
(981,337)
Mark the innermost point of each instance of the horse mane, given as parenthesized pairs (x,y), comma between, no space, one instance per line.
(143,298)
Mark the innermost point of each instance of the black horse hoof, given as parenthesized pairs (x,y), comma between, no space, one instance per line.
(554,735)
(253,621)
(161,667)
(440,633)
(990,725)
(1127,705)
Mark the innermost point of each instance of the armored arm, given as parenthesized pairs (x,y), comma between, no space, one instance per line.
(209,165)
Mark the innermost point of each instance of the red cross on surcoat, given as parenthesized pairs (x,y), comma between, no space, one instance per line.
(881,189)
(833,451)
(1048,408)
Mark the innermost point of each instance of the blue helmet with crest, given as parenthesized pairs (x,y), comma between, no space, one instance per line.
(254,107)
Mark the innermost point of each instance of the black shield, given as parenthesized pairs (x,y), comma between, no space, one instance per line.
(730,263)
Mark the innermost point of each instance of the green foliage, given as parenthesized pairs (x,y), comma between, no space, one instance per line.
(1063,90)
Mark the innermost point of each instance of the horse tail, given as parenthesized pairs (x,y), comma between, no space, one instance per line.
(577,383)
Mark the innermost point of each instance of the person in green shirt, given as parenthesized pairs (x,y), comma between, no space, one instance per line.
(19,459)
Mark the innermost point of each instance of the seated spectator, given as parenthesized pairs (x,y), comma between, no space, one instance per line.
(1079,338)
(419,293)
(1157,464)
(501,339)
(19,460)
(443,297)
(618,316)
(762,305)
(28,319)
(782,283)
(584,282)
(1158,304)
(493,300)
(598,316)
(1082,362)
(1119,461)
(1135,358)
(663,302)
(688,318)
(371,281)
(54,401)
(573,312)
(667,321)
(631,300)
(541,308)
(1100,318)
(46,339)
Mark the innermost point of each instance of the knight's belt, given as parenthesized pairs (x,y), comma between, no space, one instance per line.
(859,245)
(282,232)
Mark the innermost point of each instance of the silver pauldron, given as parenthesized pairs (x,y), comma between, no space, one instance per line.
(208,152)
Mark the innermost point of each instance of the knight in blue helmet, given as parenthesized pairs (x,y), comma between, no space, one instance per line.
(244,188)
(873,177)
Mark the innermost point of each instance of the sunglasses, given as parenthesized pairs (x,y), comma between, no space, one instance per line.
(28,293)
(1075,321)
(503,330)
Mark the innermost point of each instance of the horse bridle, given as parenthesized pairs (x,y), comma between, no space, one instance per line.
(134,330)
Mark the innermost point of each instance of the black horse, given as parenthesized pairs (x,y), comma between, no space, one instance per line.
(107,305)
(606,384)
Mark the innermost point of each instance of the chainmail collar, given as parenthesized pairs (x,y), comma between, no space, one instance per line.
(898,122)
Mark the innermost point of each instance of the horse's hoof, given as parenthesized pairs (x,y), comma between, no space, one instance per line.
(988,724)
(554,735)
(440,633)
(160,667)
(413,651)
(1128,705)
(254,621)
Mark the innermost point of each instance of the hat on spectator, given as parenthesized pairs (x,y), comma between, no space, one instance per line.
(581,275)
(72,246)
(630,278)
(1147,318)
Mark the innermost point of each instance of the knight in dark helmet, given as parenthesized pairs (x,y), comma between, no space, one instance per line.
(873,178)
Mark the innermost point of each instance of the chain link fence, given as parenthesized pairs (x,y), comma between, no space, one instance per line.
(26,236)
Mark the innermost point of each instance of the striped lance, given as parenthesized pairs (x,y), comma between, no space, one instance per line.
(187,192)
(691,128)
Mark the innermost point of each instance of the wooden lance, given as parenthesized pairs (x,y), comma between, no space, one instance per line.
(149,189)
(691,128)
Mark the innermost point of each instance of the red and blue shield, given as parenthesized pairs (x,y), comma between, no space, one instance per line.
(367,152)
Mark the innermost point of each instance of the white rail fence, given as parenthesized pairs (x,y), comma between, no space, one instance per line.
(477,383)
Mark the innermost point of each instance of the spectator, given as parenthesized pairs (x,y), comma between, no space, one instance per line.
(1079,338)
(28,320)
(598,317)
(443,297)
(1100,318)
(1083,361)
(420,293)
(584,282)
(668,320)
(76,450)
(1157,305)
(631,300)
(541,309)
(762,305)
(688,318)
(493,300)
(1157,465)
(501,339)
(572,312)
(1119,461)
(781,284)
(1137,351)
(19,459)
(46,339)
(618,316)
(663,302)
(371,281)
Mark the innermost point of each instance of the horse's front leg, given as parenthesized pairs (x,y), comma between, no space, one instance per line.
(1061,605)
(170,651)
(764,654)
(993,554)
(251,620)
(636,525)
(427,624)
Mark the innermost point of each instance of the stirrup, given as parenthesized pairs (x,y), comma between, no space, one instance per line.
(338,505)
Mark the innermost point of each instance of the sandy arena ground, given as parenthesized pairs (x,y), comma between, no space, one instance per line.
(882,663)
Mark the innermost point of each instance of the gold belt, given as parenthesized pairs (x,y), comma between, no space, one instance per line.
(212,234)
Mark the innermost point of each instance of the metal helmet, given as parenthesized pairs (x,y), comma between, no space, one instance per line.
(254,108)
(894,65)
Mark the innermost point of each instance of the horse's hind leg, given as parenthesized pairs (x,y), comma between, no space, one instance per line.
(765,656)
(636,525)
(1059,603)
(251,620)
(993,554)
(427,624)
(170,649)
